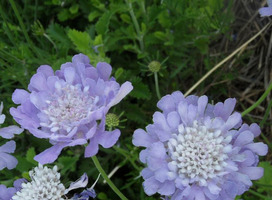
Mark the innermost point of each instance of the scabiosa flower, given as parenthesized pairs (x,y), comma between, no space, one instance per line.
(65,106)
(45,184)
(266,11)
(195,150)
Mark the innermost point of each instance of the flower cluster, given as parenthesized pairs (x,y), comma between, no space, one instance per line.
(195,150)
(68,107)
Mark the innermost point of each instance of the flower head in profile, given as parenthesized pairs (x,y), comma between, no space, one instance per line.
(266,11)
(195,150)
(68,107)
(45,184)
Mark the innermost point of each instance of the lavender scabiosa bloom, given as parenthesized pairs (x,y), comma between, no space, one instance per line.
(198,151)
(45,184)
(266,11)
(65,106)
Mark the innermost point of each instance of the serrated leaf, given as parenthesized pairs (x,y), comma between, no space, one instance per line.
(102,26)
(134,113)
(81,40)
(67,163)
(140,90)
(58,34)
(30,156)
(24,165)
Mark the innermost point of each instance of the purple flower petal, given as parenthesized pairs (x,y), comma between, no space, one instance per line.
(108,138)
(151,186)
(80,183)
(258,148)
(141,138)
(104,70)
(46,70)
(173,119)
(266,11)
(81,58)
(7,160)
(6,193)
(19,96)
(123,91)
(167,103)
(167,188)
(8,132)
(92,148)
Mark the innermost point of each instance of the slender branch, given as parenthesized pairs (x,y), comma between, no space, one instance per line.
(157,85)
(136,25)
(104,175)
(260,100)
(16,12)
(257,194)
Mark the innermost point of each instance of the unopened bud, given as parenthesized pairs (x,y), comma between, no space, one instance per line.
(154,66)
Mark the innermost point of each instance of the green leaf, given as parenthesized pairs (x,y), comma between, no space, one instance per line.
(140,90)
(24,165)
(93,15)
(125,18)
(63,15)
(67,163)
(118,73)
(266,179)
(135,113)
(74,9)
(30,156)
(102,26)
(58,34)
(81,40)
(160,35)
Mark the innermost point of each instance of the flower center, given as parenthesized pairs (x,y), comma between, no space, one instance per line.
(198,154)
(67,107)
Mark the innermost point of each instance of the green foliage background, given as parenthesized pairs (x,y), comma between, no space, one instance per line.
(128,34)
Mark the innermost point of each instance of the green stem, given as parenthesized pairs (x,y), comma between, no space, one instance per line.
(257,194)
(157,85)
(260,100)
(104,175)
(49,39)
(9,34)
(266,113)
(136,25)
(20,21)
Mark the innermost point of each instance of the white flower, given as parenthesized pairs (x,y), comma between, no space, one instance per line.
(45,185)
